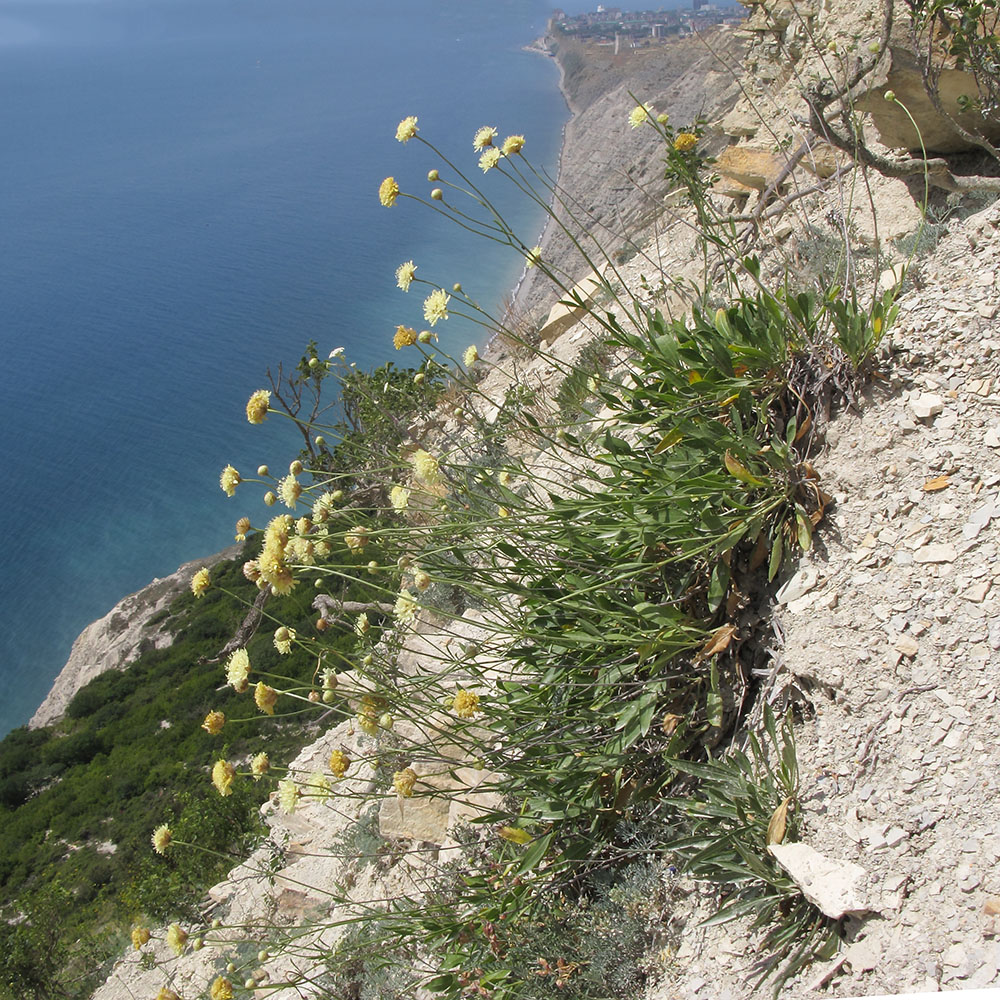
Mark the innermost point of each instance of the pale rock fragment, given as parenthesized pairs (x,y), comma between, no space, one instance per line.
(798,586)
(992,438)
(926,405)
(861,957)
(836,887)
(907,645)
(935,552)
(976,594)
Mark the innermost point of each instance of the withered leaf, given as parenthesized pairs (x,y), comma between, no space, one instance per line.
(719,640)
(670,723)
(937,483)
(778,823)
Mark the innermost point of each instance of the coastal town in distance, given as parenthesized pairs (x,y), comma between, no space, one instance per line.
(642,28)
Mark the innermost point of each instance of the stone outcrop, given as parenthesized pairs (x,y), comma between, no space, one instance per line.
(114,641)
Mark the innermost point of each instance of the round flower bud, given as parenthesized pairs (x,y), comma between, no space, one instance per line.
(873,47)
(457,288)
(386,721)
(890,96)
(197,944)
(295,468)
(337,495)
(320,440)
(418,379)
(432,176)
(437,194)
(216,924)
(314,363)
(373,567)
(328,697)
(231,967)
(270,499)
(458,413)
(368,660)
(263,470)
(314,697)
(425,336)
(250,984)
(263,956)
(832,46)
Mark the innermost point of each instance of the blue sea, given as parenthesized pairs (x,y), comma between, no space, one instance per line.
(187,197)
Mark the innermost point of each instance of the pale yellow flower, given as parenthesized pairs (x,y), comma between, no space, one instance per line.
(405,608)
(405,336)
(484,137)
(223,774)
(426,468)
(399,497)
(289,489)
(471,356)
(161,838)
(319,786)
(238,670)
(436,306)
(251,570)
(259,766)
(685,141)
(407,129)
(283,639)
(465,704)
(242,527)
(404,275)
(229,480)
(404,781)
(421,580)
(339,763)
(201,582)
(213,723)
(533,256)
(288,795)
(303,526)
(265,697)
(512,144)
(176,938)
(367,714)
(388,192)
(640,114)
(140,935)
(167,994)
(257,406)
(362,625)
(489,159)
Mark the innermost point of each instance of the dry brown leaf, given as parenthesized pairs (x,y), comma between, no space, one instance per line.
(778,823)
(720,640)
(670,723)
(803,427)
(937,483)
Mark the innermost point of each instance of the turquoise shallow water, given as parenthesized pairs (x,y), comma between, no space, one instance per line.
(188,195)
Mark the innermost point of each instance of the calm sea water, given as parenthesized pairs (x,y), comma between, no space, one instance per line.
(187,196)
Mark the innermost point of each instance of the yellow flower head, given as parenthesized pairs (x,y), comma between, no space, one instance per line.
(339,763)
(242,527)
(388,192)
(407,129)
(685,141)
(489,159)
(288,795)
(367,714)
(140,935)
(362,625)
(167,994)
(223,774)
(421,580)
(405,337)
(465,704)
(399,496)
(405,608)
(161,838)
(484,137)
(238,670)
(303,526)
(471,355)
(639,115)
(403,781)
(427,468)
(356,539)
(512,144)
(259,766)
(404,275)
(533,256)
(283,639)
(200,583)
(229,480)
(436,306)
(251,570)
(265,696)
(289,489)
(221,989)
(213,723)
(257,406)
(176,938)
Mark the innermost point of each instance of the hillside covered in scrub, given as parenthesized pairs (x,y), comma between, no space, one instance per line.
(612,670)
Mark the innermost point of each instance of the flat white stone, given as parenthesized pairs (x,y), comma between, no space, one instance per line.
(836,887)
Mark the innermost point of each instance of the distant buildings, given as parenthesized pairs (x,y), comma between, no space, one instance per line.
(639,29)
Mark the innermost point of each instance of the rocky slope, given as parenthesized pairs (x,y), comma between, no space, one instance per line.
(114,641)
